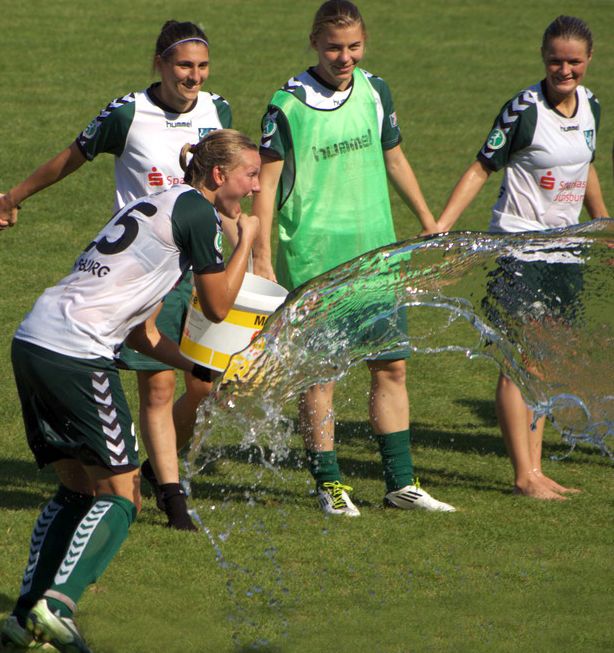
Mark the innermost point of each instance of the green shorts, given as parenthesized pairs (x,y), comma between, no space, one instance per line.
(74,408)
(533,291)
(170,322)
(389,333)
(395,327)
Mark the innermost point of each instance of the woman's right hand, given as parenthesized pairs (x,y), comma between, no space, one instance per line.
(248,227)
(8,212)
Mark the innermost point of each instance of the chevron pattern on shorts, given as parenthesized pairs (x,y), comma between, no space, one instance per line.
(80,539)
(109,419)
(510,115)
(36,543)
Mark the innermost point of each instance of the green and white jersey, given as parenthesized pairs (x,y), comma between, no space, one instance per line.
(146,137)
(546,157)
(333,192)
(124,273)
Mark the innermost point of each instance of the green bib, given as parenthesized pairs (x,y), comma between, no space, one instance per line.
(338,207)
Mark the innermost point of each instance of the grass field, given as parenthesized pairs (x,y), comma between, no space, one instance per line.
(502,574)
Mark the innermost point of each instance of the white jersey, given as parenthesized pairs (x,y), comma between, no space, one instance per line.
(146,138)
(122,276)
(546,157)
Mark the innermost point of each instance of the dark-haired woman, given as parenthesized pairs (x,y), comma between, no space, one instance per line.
(75,413)
(145,131)
(544,139)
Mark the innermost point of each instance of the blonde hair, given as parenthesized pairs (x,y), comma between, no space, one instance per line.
(221,148)
(336,13)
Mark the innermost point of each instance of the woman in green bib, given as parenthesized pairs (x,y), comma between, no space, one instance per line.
(330,142)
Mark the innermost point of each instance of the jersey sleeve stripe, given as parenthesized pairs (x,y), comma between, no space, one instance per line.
(508,118)
(115,104)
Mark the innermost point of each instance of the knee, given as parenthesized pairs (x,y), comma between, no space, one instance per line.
(158,389)
(318,397)
(197,390)
(390,373)
(126,485)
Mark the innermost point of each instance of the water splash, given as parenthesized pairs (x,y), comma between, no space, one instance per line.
(468,291)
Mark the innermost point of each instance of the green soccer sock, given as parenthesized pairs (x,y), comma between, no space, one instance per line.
(396,459)
(50,538)
(323,466)
(93,545)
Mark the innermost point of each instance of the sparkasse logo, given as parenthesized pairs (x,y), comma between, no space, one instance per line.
(155,177)
(547,181)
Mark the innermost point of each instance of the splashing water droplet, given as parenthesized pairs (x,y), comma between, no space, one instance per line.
(489,295)
(462,293)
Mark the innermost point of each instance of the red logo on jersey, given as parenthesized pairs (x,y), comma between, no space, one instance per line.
(547,181)
(155,178)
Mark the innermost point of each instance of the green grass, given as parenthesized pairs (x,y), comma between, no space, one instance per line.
(503,574)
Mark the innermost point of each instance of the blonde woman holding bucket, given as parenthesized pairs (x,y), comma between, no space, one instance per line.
(69,387)
(145,131)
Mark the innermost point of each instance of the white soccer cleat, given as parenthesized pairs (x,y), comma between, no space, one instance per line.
(14,637)
(334,499)
(61,632)
(413,497)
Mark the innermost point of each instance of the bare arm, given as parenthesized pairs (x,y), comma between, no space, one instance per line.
(60,166)
(264,207)
(406,185)
(465,191)
(218,291)
(593,198)
(148,340)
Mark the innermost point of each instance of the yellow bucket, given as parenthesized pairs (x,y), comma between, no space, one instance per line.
(211,344)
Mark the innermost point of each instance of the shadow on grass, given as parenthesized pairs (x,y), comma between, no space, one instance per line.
(6,604)
(352,468)
(227,490)
(482,409)
(259,647)
(469,438)
(23,486)
(359,457)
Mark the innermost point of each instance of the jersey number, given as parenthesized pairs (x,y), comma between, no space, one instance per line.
(131,230)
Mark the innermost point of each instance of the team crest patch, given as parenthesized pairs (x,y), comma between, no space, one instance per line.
(496,139)
(203,131)
(92,128)
(269,127)
(218,243)
(589,137)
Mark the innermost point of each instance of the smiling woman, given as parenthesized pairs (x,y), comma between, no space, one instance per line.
(145,131)
(566,52)
(330,142)
(544,139)
(339,49)
(75,413)
(183,68)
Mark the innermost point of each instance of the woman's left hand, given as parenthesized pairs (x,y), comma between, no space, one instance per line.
(8,212)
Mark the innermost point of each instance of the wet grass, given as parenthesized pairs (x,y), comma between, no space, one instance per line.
(502,574)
